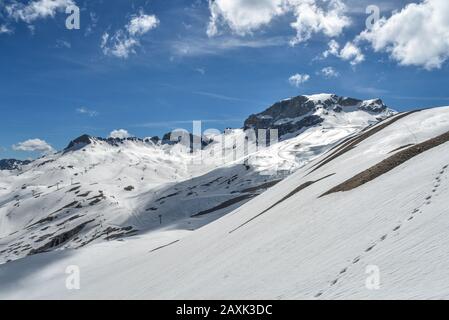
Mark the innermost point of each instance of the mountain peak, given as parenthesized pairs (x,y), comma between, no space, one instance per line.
(291,115)
(79,142)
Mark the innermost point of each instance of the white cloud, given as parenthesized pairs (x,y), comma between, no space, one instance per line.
(243,17)
(34,145)
(417,35)
(119,45)
(38,9)
(63,44)
(32,29)
(350,52)
(310,19)
(90,113)
(201,71)
(123,42)
(329,72)
(120,134)
(333,49)
(142,24)
(5,29)
(297,79)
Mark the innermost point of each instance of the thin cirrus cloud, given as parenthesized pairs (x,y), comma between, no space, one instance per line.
(329,72)
(220,96)
(297,80)
(34,145)
(38,9)
(4,29)
(243,17)
(175,123)
(60,44)
(201,71)
(88,112)
(123,42)
(198,46)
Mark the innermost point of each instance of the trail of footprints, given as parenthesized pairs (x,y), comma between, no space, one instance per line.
(416,211)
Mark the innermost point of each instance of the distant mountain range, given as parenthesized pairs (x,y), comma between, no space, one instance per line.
(350,189)
(100,189)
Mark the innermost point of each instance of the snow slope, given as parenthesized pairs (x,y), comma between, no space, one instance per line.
(97,189)
(305,246)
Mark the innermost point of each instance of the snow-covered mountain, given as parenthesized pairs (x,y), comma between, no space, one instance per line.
(373,205)
(291,115)
(107,189)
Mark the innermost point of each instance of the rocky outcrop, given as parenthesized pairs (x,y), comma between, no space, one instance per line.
(292,115)
(13,164)
(79,143)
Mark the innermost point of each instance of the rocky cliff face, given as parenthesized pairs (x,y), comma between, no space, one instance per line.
(292,115)
(12,164)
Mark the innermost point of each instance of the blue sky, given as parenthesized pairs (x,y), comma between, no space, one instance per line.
(56,84)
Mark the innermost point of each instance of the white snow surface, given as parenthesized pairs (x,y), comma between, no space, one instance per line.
(113,191)
(306,247)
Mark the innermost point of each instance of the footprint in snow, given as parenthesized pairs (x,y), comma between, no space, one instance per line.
(416,210)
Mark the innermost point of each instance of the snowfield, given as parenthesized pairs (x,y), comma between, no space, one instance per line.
(142,220)
(101,190)
(305,246)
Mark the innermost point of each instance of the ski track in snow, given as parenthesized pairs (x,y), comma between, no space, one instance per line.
(416,211)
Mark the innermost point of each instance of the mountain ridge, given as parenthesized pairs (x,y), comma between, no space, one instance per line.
(282,115)
(100,189)
(292,239)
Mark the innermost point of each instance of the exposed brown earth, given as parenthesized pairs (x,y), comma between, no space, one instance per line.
(389,164)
